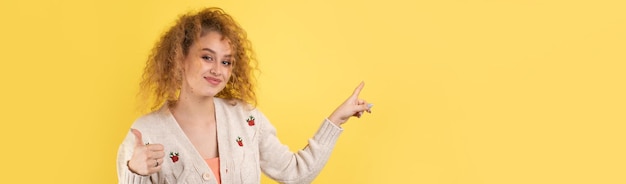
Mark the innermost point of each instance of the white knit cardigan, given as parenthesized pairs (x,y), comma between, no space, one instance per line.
(245,149)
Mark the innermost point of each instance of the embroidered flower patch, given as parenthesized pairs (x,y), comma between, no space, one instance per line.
(239,141)
(174,156)
(250,121)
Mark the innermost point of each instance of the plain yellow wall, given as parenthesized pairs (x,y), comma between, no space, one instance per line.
(465,91)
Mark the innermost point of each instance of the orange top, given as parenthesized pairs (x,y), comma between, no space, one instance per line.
(214,164)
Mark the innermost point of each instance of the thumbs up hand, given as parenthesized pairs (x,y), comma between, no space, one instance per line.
(147,158)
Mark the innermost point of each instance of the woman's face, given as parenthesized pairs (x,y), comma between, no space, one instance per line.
(207,66)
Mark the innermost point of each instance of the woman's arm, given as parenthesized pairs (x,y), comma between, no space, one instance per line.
(284,166)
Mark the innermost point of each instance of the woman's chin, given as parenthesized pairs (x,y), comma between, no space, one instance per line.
(211,93)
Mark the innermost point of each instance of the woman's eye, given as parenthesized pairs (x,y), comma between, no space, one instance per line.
(208,58)
(227,63)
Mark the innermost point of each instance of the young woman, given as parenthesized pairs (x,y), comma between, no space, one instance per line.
(205,127)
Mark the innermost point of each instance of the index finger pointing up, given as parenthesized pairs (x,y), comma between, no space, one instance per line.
(358,90)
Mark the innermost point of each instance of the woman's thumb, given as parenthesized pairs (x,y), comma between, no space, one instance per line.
(138,140)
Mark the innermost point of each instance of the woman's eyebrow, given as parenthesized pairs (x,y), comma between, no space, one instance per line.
(207,49)
(213,52)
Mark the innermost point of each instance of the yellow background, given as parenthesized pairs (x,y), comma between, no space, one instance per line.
(520,91)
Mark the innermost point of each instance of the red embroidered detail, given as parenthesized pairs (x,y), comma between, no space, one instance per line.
(174,156)
(239,141)
(250,121)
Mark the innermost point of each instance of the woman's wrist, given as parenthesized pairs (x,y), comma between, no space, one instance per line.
(335,120)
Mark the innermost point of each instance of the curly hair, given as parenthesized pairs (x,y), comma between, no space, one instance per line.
(162,77)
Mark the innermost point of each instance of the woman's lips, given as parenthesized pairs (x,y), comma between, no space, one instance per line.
(213,80)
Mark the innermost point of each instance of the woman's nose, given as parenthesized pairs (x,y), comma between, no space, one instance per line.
(214,70)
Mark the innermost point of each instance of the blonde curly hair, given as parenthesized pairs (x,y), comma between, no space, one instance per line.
(162,77)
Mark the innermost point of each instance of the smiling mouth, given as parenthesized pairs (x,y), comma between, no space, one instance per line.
(213,80)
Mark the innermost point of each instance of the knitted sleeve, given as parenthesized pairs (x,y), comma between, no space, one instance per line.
(284,166)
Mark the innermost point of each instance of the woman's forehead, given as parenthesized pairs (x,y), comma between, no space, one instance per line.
(214,42)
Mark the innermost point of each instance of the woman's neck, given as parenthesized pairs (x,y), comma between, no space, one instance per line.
(194,111)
